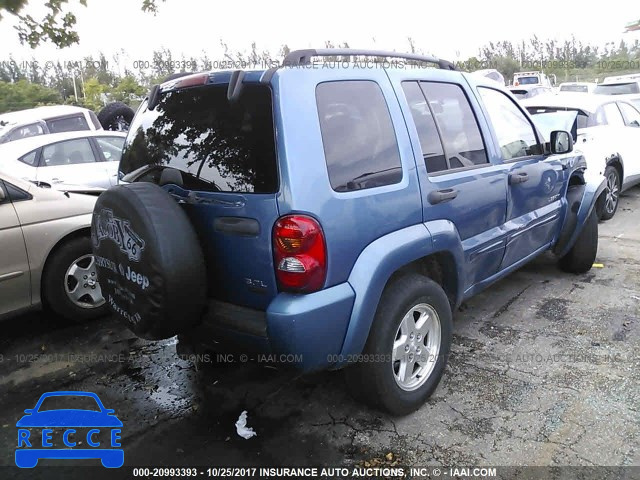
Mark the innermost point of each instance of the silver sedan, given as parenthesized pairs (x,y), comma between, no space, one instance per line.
(45,254)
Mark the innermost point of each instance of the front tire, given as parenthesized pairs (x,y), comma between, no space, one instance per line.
(583,253)
(407,348)
(69,282)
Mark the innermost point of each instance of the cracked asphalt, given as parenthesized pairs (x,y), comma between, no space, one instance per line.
(544,370)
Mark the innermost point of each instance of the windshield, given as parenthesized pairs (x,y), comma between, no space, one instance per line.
(213,145)
(618,88)
(574,88)
(533,80)
(66,402)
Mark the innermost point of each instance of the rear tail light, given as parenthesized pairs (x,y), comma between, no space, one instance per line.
(299,254)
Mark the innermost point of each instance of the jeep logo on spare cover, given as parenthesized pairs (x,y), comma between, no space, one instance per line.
(107,226)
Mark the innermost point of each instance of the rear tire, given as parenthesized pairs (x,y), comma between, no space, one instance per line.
(611,194)
(62,283)
(583,253)
(414,320)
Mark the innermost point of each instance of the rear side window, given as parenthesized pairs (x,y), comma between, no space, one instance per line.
(25,132)
(95,121)
(73,123)
(359,141)
(30,158)
(432,151)
(457,123)
(216,146)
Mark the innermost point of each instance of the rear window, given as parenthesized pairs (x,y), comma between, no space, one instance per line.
(26,131)
(73,123)
(574,88)
(528,80)
(216,146)
(360,145)
(618,88)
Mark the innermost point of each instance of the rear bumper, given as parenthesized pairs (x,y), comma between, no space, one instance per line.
(302,331)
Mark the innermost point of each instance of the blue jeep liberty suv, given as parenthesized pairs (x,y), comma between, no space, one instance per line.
(338,207)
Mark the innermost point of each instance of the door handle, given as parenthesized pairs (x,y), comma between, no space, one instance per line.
(439,196)
(515,178)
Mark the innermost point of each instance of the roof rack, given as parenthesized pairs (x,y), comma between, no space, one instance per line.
(303,57)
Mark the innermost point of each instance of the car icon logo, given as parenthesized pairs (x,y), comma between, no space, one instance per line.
(89,431)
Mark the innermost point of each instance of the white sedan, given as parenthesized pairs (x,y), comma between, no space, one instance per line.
(607,131)
(70,158)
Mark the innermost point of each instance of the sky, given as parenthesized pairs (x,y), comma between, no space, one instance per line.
(452,30)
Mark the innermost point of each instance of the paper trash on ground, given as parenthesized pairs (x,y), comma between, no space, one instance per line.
(242,429)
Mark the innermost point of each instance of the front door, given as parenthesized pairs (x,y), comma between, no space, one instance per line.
(15,280)
(535,181)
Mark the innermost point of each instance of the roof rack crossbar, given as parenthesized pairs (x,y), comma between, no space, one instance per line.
(303,57)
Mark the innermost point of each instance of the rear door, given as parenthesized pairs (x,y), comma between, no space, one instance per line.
(460,183)
(15,278)
(535,181)
(218,159)
(72,162)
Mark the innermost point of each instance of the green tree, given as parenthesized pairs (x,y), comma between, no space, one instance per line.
(57,26)
(24,94)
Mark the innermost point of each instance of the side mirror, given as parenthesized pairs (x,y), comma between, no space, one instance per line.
(109,411)
(634,123)
(561,142)
(29,411)
(3,196)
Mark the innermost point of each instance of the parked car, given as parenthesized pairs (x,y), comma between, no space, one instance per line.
(533,78)
(579,87)
(620,85)
(44,120)
(528,91)
(77,158)
(607,131)
(387,197)
(46,255)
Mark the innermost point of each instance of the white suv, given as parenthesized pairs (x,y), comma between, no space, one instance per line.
(620,85)
(43,120)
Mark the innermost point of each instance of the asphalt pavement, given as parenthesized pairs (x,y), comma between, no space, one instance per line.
(544,370)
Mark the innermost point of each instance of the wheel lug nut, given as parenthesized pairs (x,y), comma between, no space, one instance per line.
(93,287)
(85,285)
(406,348)
(85,277)
(411,336)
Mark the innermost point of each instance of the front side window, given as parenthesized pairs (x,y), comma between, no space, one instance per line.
(217,146)
(111,147)
(457,124)
(72,123)
(516,136)
(609,114)
(359,140)
(631,115)
(69,152)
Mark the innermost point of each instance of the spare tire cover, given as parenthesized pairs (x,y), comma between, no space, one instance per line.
(150,263)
